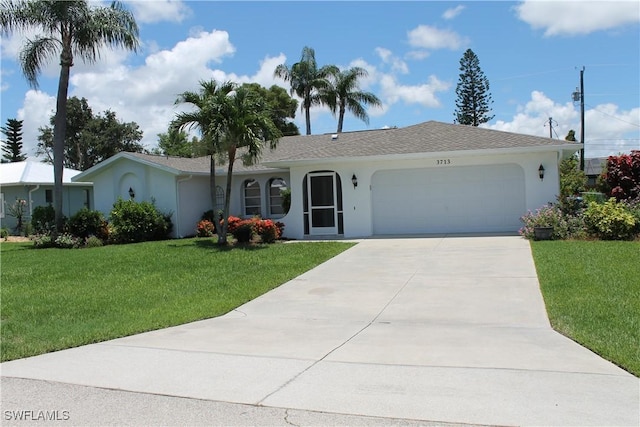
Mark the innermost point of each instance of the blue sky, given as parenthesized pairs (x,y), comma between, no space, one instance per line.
(530,51)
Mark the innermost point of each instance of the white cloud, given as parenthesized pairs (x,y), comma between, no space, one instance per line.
(159,10)
(387,57)
(423,94)
(35,112)
(417,54)
(453,12)
(428,37)
(607,130)
(577,17)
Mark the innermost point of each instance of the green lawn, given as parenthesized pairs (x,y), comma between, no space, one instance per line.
(592,293)
(53,299)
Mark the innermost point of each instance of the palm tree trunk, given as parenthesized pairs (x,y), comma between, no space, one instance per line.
(212,194)
(227,196)
(59,133)
(307,116)
(341,118)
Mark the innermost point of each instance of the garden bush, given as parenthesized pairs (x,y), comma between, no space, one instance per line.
(4,233)
(86,222)
(93,242)
(133,221)
(68,241)
(42,241)
(564,226)
(205,228)
(267,230)
(244,230)
(43,219)
(610,220)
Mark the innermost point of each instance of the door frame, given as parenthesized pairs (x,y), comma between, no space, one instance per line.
(315,231)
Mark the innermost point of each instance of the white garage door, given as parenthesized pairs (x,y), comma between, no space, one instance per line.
(449,199)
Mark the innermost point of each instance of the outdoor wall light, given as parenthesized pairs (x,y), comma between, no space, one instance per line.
(354,180)
(132,194)
(541,172)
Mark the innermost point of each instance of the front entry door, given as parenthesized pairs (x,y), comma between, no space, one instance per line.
(323,218)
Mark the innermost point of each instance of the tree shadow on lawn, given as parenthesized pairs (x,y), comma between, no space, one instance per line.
(211,244)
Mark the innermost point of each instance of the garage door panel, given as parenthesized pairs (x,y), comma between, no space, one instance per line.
(453,199)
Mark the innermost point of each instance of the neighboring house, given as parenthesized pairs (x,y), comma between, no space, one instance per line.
(32,181)
(428,178)
(593,169)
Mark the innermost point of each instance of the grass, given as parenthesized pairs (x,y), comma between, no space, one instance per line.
(592,293)
(52,299)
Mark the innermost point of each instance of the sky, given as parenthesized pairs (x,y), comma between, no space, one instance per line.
(532,53)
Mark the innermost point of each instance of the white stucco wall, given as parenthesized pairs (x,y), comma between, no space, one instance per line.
(357,202)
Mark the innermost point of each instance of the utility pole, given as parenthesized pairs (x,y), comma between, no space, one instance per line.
(579,96)
(550,127)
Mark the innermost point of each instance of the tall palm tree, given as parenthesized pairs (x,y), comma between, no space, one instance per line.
(205,116)
(71,29)
(307,81)
(345,95)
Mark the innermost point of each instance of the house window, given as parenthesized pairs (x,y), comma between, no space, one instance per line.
(276,186)
(251,198)
(48,196)
(87,199)
(1,205)
(219,197)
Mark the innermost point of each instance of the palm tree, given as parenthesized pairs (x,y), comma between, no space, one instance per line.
(307,81)
(230,118)
(345,94)
(246,125)
(72,29)
(205,115)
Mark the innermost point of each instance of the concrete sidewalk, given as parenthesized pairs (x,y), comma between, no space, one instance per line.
(440,329)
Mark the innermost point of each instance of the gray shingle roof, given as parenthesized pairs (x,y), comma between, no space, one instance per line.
(427,137)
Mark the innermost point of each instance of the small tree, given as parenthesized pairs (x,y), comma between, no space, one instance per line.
(621,177)
(473,106)
(12,146)
(572,180)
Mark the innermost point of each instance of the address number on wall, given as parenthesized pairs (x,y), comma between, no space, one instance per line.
(443,162)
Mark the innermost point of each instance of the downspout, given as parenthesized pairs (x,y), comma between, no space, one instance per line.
(37,187)
(180,180)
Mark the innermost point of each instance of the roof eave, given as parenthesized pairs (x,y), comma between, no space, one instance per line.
(427,155)
(96,168)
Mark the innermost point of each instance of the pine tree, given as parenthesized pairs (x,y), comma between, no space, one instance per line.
(12,146)
(473,106)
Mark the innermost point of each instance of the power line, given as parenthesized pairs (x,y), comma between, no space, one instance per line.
(612,116)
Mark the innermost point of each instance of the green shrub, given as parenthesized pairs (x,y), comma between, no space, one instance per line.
(4,233)
(43,219)
(93,242)
(244,231)
(27,229)
(86,222)
(286,200)
(41,241)
(138,222)
(609,221)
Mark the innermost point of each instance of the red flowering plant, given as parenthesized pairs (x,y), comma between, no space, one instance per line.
(205,228)
(267,230)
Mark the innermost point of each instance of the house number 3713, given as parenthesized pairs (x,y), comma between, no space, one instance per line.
(443,162)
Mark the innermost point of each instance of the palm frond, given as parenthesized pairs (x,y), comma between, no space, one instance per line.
(35,54)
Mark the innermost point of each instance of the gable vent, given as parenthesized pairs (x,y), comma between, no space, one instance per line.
(334,137)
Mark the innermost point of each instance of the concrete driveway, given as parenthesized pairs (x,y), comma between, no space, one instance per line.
(416,331)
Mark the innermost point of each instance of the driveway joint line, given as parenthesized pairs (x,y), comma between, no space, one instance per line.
(371,322)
